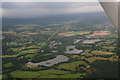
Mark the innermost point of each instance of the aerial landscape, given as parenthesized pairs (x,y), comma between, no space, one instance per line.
(69,45)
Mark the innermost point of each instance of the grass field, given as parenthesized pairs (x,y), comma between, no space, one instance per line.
(41,44)
(92,59)
(7,56)
(71,66)
(86,53)
(4,76)
(62,76)
(22,53)
(71,75)
(108,47)
(8,64)
(14,44)
(102,53)
(38,45)
(30,55)
(22,48)
(53,71)
(48,76)
(28,51)
(24,74)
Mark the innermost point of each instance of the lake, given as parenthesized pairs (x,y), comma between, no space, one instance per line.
(51,62)
(72,50)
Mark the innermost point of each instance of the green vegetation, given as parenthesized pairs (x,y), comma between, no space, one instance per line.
(7,56)
(86,53)
(108,47)
(24,74)
(48,76)
(71,66)
(40,45)
(42,57)
(102,53)
(8,64)
(62,76)
(4,76)
(27,49)
(53,71)
(92,59)
(105,69)
(71,75)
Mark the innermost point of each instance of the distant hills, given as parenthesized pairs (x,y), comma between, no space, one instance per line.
(83,18)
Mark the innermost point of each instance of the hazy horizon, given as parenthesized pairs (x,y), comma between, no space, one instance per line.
(40,9)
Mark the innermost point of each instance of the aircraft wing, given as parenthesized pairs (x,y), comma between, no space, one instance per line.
(111,8)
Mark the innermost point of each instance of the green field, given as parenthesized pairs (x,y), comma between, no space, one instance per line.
(53,71)
(7,56)
(71,75)
(24,74)
(92,59)
(102,53)
(86,53)
(108,47)
(48,76)
(63,76)
(28,51)
(71,66)
(8,64)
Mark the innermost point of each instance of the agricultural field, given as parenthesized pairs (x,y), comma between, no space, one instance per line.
(102,53)
(72,66)
(43,48)
(53,71)
(24,74)
(59,47)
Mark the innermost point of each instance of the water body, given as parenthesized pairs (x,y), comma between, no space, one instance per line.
(51,62)
(72,50)
(77,40)
(91,41)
